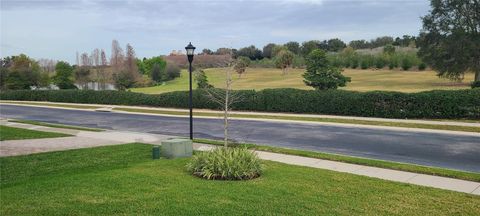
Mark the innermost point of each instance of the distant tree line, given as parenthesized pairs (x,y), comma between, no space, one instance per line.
(124,70)
(306,47)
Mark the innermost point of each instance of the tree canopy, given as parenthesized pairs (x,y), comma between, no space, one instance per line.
(320,73)
(450,38)
(63,76)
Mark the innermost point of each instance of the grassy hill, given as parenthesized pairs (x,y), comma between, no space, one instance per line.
(362,80)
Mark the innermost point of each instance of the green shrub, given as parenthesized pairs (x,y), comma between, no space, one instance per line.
(422,66)
(354,62)
(226,164)
(446,104)
(380,62)
(364,65)
(406,63)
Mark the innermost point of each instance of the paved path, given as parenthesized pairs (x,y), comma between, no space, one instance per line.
(81,139)
(93,139)
(424,148)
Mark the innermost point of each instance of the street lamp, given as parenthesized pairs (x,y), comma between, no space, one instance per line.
(190,48)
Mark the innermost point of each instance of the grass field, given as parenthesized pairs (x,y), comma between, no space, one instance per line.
(55,125)
(362,80)
(469,176)
(11,133)
(123,180)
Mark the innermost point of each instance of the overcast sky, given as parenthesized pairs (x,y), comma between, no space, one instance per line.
(57,29)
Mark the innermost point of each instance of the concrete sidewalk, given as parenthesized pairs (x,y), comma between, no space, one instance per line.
(86,139)
(374,172)
(81,139)
(112,108)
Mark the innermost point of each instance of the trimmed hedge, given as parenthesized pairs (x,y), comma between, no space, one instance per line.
(446,104)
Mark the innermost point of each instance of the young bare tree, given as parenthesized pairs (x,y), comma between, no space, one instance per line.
(241,65)
(117,58)
(225,97)
(128,74)
(96,57)
(82,72)
(101,72)
(84,60)
(284,60)
(131,61)
(77,62)
(47,65)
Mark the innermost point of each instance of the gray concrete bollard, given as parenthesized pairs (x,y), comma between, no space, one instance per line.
(175,148)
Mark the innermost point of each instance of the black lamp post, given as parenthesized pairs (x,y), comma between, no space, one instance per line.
(190,48)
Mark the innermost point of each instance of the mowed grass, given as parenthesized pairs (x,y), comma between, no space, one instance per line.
(469,176)
(362,80)
(123,180)
(12,133)
(54,125)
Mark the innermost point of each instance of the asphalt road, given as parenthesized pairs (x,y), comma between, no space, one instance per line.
(432,149)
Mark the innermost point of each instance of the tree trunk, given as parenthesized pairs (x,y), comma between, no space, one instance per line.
(225,120)
(225,108)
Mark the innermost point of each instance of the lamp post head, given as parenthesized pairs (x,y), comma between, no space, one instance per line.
(190,49)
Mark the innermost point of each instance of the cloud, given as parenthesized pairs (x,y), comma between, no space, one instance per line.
(57,29)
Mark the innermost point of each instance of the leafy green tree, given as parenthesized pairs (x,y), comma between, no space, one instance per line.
(123,80)
(149,64)
(284,60)
(276,49)
(293,47)
(389,49)
(23,72)
(156,73)
(336,45)
(63,77)
(381,41)
(251,52)
(141,66)
(3,78)
(450,38)
(44,80)
(267,50)
(359,44)
(241,65)
(320,74)
(309,46)
(201,79)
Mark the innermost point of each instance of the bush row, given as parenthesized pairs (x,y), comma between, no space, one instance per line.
(447,104)
(405,61)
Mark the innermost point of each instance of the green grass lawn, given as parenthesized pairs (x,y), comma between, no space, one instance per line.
(123,180)
(12,133)
(362,80)
(469,176)
(55,125)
